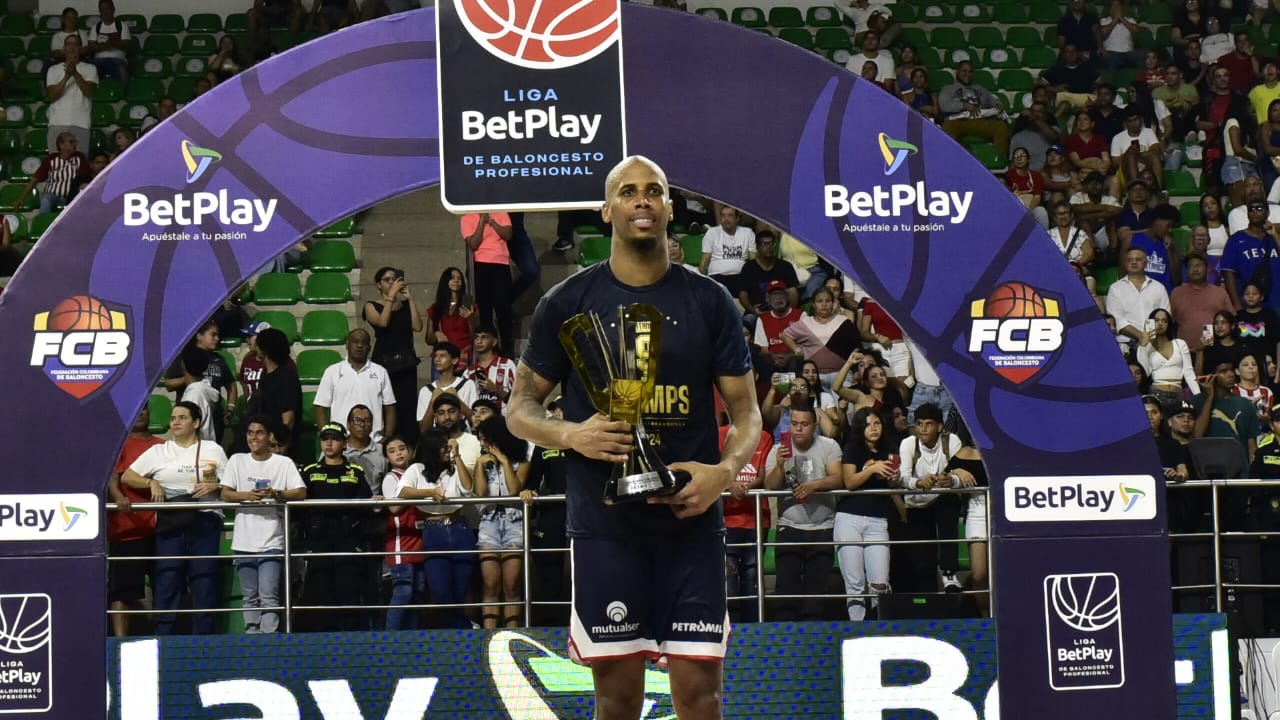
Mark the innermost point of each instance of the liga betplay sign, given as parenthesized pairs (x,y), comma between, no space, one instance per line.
(531,102)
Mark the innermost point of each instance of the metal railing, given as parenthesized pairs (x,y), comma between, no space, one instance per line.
(291,554)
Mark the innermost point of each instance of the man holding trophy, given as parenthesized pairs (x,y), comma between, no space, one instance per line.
(638,346)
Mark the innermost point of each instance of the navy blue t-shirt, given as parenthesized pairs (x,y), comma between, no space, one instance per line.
(1158,268)
(701,340)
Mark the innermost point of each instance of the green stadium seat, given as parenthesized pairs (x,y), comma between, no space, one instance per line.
(32,68)
(1039,58)
(109,90)
(331,256)
(103,115)
(15,117)
(990,157)
(281,320)
(749,17)
(275,288)
(1000,58)
(132,114)
(1044,13)
(986,38)
(182,89)
(840,56)
(692,245)
(1016,80)
(948,38)
(1104,278)
(312,363)
(985,78)
(40,46)
(22,167)
(145,89)
(204,23)
(167,23)
(137,23)
(972,14)
(160,45)
(153,68)
(955,56)
(940,78)
(903,13)
(1181,183)
(593,250)
(40,116)
(17,226)
(309,408)
(10,193)
(17,25)
(918,37)
(326,288)
(822,16)
(832,38)
(714,13)
(324,327)
(11,141)
(191,67)
(237,23)
(928,57)
(344,228)
(202,45)
(1155,14)
(936,14)
(99,141)
(48,24)
(161,409)
(785,16)
(1123,78)
(1189,212)
(40,224)
(1010,14)
(37,142)
(1182,239)
(799,37)
(11,47)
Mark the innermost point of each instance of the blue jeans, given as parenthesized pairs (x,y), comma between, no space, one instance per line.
(449,575)
(260,588)
(935,394)
(741,572)
(201,537)
(523,255)
(408,585)
(817,276)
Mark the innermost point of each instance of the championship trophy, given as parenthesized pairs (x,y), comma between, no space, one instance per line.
(620,378)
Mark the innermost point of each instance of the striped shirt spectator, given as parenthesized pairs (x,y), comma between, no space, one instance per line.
(58,172)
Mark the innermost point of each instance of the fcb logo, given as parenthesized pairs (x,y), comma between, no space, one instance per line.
(1017,330)
(542,35)
(80,344)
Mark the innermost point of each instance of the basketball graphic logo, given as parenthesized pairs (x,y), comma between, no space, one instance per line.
(80,344)
(26,653)
(25,623)
(1017,330)
(542,34)
(1084,630)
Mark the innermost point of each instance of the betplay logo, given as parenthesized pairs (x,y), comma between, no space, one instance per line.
(1080,499)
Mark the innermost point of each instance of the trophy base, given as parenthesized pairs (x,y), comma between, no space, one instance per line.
(642,486)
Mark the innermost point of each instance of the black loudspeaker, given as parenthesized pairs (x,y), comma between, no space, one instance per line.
(1241,563)
(925,606)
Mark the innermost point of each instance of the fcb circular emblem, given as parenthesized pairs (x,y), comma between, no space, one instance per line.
(542,34)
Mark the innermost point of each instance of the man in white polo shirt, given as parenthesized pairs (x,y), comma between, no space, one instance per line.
(70,86)
(357,381)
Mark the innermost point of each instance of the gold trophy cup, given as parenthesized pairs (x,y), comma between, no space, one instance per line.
(619,379)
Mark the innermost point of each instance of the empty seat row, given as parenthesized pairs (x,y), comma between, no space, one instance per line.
(284,288)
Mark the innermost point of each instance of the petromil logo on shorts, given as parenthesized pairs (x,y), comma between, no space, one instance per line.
(198,160)
(1017,330)
(80,344)
(895,153)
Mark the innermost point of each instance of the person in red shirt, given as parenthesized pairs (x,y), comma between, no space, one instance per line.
(875,326)
(403,534)
(1242,64)
(130,533)
(1027,185)
(769,327)
(58,171)
(742,572)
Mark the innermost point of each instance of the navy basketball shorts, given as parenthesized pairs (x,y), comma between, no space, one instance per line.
(649,597)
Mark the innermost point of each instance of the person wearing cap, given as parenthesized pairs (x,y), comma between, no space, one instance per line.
(334,580)
(251,365)
(493,374)
(761,272)
(357,381)
(444,359)
(770,325)
(1251,256)
(1262,512)
(1164,264)
(1060,181)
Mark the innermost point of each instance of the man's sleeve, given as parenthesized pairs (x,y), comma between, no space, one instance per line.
(388,393)
(544,353)
(468,223)
(90,73)
(146,463)
(907,463)
(733,357)
(324,391)
(231,475)
(292,478)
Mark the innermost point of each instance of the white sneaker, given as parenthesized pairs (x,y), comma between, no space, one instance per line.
(950,583)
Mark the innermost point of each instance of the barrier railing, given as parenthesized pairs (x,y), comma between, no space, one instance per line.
(291,554)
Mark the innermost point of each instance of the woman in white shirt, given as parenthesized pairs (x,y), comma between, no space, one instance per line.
(1075,242)
(501,472)
(1166,359)
(439,474)
(184,469)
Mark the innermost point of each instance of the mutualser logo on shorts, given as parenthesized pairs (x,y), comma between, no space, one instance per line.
(1017,330)
(81,344)
(616,611)
(185,210)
